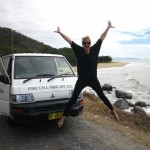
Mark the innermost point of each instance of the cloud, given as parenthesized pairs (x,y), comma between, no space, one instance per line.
(39,18)
(137,38)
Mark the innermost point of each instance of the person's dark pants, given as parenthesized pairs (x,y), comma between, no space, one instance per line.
(82,83)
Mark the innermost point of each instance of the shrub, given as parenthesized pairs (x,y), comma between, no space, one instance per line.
(104,59)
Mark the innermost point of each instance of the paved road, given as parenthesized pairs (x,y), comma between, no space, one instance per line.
(76,134)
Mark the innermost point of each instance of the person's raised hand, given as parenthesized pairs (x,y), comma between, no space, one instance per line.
(110,25)
(58,30)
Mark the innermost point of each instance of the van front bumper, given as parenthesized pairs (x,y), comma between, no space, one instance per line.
(39,111)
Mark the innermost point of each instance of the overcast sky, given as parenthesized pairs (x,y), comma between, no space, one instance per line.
(39,18)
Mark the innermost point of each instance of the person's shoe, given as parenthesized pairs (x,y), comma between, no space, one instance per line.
(61,121)
(113,112)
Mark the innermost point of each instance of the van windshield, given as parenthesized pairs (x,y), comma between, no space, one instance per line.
(26,67)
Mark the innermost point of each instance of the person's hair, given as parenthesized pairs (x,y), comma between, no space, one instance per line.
(86,38)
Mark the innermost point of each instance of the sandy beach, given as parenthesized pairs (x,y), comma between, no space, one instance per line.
(111,64)
(107,65)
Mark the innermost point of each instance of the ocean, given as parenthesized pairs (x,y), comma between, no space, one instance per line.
(128,53)
(133,77)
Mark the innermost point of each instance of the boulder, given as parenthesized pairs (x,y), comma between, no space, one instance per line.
(122,94)
(107,87)
(138,110)
(141,104)
(122,104)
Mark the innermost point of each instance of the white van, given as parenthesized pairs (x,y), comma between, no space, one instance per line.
(36,87)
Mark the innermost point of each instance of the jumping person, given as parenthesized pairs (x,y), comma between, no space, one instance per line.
(87,57)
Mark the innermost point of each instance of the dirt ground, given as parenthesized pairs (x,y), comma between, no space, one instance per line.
(132,126)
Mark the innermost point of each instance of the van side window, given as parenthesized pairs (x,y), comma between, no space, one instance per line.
(8,64)
(3,76)
(2,72)
(63,66)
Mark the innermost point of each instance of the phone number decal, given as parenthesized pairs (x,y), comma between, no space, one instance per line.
(48,87)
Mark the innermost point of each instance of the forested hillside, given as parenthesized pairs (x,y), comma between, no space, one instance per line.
(21,43)
(24,44)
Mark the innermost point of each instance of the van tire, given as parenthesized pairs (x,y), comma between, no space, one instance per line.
(10,121)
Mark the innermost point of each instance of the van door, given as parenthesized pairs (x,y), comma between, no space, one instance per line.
(4,90)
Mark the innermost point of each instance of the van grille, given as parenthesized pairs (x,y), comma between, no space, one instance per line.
(43,106)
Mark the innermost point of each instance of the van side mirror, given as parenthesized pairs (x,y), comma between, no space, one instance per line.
(4,79)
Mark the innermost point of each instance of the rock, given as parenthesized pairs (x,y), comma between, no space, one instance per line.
(122,104)
(140,103)
(122,94)
(107,87)
(138,109)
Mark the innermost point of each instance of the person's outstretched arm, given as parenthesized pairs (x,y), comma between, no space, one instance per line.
(102,37)
(63,35)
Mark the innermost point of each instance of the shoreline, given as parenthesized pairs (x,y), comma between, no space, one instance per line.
(111,64)
(107,65)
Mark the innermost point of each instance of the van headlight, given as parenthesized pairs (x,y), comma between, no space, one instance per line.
(22,98)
